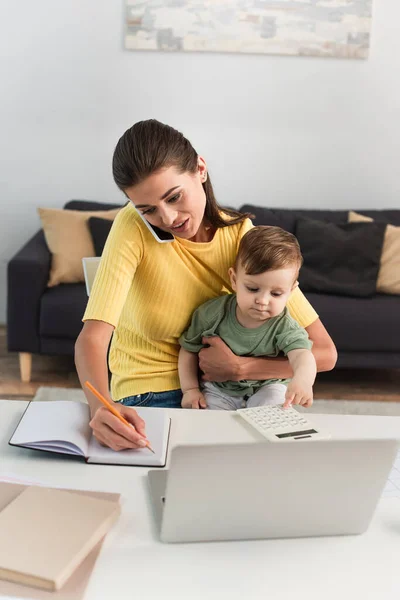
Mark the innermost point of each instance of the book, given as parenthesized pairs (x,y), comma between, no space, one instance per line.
(9,491)
(62,426)
(46,533)
(76,584)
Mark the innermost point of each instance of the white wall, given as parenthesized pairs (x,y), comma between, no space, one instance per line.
(277,131)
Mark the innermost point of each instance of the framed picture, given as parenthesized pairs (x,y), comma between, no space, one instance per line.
(331,28)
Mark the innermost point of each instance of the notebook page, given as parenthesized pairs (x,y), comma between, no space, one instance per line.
(157,431)
(60,423)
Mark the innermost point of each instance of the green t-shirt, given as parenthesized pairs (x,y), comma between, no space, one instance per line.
(218,317)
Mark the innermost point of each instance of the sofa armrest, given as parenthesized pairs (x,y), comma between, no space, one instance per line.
(27,276)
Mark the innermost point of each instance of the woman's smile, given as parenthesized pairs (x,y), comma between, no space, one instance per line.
(180,227)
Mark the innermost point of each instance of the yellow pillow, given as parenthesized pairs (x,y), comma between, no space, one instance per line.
(389,271)
(68,238)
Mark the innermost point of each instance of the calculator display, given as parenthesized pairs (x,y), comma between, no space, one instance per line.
(295,433)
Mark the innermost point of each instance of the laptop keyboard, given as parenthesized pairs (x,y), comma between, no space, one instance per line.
(392,487)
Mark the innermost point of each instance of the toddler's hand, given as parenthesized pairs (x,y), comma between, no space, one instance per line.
(193,399)
(298,392)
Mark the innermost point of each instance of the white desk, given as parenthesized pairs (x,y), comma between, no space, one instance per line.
(134,564)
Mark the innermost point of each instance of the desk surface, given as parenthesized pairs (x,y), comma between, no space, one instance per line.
(133,563)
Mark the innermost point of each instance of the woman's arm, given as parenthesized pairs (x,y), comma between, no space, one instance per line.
(218,362)
(91,360)
(91,349)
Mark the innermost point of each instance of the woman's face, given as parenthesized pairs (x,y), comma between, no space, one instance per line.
(173,201)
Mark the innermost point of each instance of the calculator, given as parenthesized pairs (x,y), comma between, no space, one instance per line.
(279,424)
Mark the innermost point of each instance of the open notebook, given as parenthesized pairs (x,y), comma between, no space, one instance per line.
(63,427)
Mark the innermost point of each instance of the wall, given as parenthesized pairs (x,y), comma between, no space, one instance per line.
(276,131)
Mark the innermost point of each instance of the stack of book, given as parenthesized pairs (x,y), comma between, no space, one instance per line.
(50,538)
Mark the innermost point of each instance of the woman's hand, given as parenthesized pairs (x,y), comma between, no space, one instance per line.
(110,431)
(193,399)
(218,362)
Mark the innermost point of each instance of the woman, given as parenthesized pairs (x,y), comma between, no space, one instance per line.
(145,291)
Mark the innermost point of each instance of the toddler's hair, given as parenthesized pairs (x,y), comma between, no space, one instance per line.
(268,248)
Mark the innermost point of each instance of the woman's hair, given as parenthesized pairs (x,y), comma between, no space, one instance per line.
(148,147)
(267,248)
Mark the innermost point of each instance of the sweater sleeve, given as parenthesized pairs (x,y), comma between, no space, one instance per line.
(245,226)
(300,308)
(122,253)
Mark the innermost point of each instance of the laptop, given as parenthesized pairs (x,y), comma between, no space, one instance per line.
(261,490)
(90,265)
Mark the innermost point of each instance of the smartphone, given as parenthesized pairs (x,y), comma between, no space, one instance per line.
(160,235)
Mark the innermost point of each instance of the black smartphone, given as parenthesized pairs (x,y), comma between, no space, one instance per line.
(160,235)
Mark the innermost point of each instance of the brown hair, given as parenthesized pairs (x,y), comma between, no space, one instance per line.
(148,147)
(267,248)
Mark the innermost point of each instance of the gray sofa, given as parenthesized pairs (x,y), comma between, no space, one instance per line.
(43,320)
(366,331)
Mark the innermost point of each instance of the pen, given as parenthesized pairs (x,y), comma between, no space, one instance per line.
(112,409)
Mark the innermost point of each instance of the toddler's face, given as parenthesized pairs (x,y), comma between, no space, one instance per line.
(261,297)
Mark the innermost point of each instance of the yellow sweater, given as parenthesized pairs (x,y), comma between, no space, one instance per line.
(148,292)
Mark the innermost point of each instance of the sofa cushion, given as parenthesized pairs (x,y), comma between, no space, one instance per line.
(287,217)
(340,258)
(61,311)
(68,238)
(370,325)
(384,215)
(91,205)
(99,230)
(389,269)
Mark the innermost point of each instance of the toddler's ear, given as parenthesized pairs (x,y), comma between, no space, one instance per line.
(232,276)
(295,285)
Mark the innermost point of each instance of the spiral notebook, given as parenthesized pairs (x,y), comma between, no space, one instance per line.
(62,427)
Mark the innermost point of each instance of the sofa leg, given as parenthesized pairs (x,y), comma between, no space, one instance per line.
(25,366)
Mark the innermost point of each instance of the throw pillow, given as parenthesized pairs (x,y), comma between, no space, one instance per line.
(68,238)
(286,217)
(389,271)
(99,230)
(340,258)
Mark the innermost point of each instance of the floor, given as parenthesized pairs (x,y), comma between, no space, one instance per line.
(59,371)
